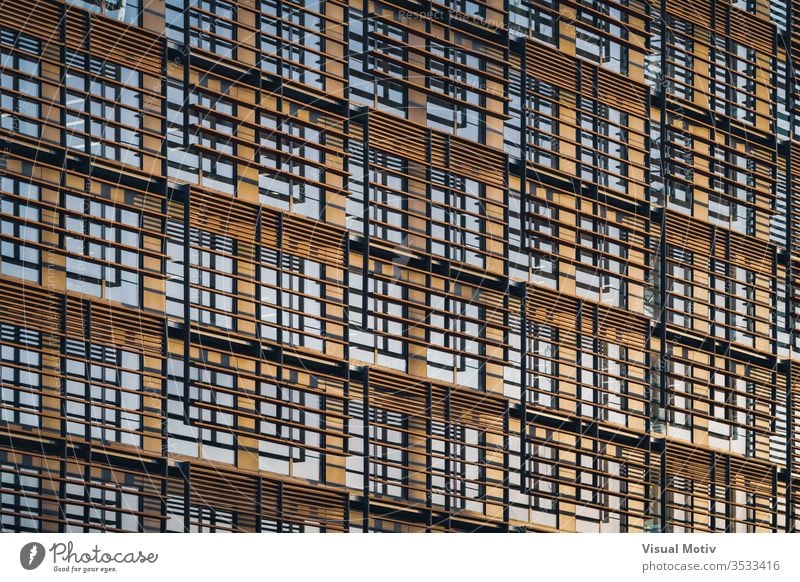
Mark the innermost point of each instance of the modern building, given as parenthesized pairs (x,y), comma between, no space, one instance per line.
(399,265)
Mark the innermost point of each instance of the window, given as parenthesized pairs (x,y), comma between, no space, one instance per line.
(213,264)
(719,210)
(451,117)
(20,69)
(388,220)
(604,386)
(542,365)
(103,393)
(469,7)
(457,458)
(604,144)
(19,222)
(596,31)
(379,335)
(388,439)
(389,55)
(181,158)
(744,306)
(290,180)
(292,308)
(361,80)
(680,167)
(392,97)
(102,503)
(733,79)
(292,423)
(457,220)
(534,20)
(388,206)
(680,503)
(103,109)
(357,186)
(734,180)
(602,273)
(201,413)
(20,376)
(456,348)
(454,77)
(211,28)
(284,418)
(680,287)
(541,475)
(543,124)
(371,51)
(778,12)
(779,227)
(734,296)
(123,10)
(679,411)
(593,486)
(720,411)
(680,58)
(782,109)
(212,120)
(518,257)
(20,503)
(212,276)
(512,135)
(290,44)
(98,268)
(542,244)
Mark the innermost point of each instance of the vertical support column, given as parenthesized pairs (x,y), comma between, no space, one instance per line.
(660,215)
(790,245)
(523,243)
(448,484)
(185,190)
(185,469)
(523,394)
(259,502)
(365,437)
(259,312)
(279,293)
(428,455)
(365,221)
(281,498)
(662,489)
(187,74)
(506,470)
(730,498)
(62,465)
(86,454)
(789,490)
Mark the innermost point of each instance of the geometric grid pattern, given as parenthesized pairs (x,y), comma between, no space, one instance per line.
(399,265)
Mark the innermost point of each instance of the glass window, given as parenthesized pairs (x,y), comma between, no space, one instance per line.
(20,217)
(123,10)
(103,252)
(103,395)
(20,69)
(20,376)
(104,115)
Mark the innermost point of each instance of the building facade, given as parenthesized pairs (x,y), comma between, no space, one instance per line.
(399,265)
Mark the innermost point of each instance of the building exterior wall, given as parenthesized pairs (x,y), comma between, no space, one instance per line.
(388,265)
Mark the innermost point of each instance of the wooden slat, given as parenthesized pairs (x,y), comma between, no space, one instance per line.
(551,65)
(38,18)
